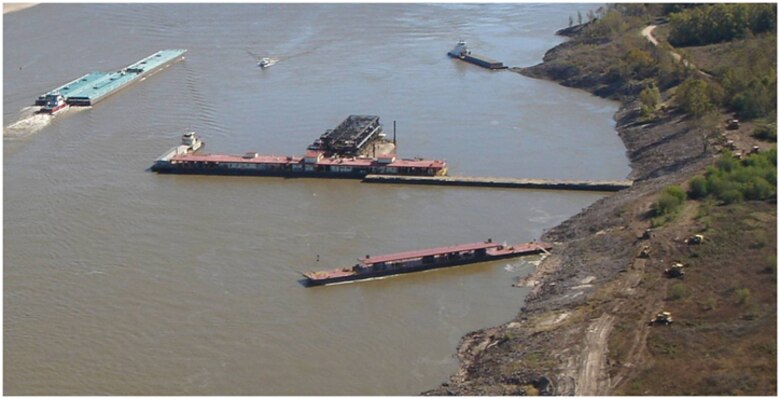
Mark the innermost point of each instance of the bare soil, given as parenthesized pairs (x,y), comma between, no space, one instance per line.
(583,329)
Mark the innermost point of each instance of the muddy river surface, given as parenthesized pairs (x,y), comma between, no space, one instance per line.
(120,281)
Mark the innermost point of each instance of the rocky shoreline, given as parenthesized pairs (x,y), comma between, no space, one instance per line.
(557,344)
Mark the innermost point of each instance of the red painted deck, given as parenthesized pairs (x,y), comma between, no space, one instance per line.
(428,252)
(265,159)
(520,249)
(494,251)
(294,160)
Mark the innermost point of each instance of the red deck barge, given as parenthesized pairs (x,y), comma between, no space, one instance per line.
(425,259)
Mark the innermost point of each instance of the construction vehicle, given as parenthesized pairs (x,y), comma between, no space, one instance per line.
(732,124)
(648,234)
(676,271)
(645,252)
(695,239)
(664,318)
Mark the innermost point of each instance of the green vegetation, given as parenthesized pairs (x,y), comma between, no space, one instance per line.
(731,180)
(725,308)
(678,291)
(767,132)
(693,97)
(743,296)
(650,98)
(669,201)
(742,68)
(668,205)
(720,22)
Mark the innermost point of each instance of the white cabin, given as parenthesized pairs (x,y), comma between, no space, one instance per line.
(460,49)
(191,141)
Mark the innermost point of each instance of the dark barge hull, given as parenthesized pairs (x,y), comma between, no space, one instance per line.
(482,61)
(259,173)
(359,175)
(458,262)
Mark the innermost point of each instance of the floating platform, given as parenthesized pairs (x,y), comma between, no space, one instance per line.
(95,86)
(414,261)
(504,182)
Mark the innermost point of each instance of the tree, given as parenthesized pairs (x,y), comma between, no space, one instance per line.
(693,97)
(571,21)
(579,17)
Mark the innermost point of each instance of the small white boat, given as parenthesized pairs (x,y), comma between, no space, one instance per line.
(266,62)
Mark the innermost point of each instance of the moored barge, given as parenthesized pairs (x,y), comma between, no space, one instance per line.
(349,151)
(426,259)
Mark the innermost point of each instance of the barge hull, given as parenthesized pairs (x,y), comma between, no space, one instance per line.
(385,273)
(256,173)
(483,61)
(536,249)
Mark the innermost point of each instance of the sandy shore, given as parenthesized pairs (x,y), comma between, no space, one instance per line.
(11,7)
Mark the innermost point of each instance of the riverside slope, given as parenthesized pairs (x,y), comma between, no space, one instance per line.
(558,342)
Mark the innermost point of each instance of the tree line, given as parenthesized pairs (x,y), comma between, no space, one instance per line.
(720,23)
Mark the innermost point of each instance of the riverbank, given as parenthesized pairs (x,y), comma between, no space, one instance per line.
(13,7)
(583,328)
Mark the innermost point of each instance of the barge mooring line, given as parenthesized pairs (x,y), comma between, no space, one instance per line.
(503,182)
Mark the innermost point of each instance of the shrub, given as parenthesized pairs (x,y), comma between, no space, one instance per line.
(669,201)
(766,132)
(743,296)
(730,196)
(757,188)
(697,187)
(650,96)
(677,192)
(666,204)
(771,264)
(732,181)
(678,291)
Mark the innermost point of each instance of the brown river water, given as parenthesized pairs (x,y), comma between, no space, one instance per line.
(120,281)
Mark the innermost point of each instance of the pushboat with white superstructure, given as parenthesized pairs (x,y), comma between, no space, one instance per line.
(53,103)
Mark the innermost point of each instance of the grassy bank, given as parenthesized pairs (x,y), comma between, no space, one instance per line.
(584,328)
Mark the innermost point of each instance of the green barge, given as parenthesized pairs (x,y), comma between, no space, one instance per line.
(95,86)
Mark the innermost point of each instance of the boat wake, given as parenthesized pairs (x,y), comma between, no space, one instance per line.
(30,122)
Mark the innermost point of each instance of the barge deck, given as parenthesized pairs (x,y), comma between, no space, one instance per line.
(414,261)
(340,155)
(504,182)
(95,86)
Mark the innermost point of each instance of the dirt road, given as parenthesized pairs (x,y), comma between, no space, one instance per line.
(592,378)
